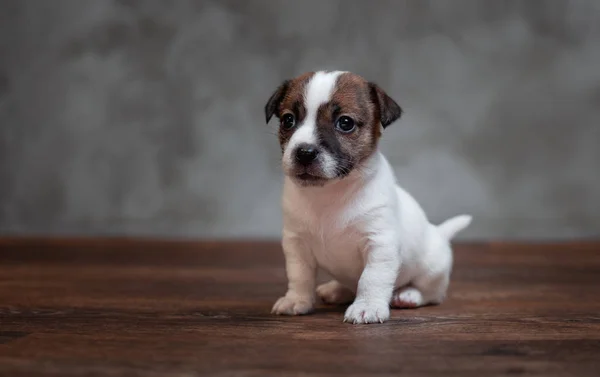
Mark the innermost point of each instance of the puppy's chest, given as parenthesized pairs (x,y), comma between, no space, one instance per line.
(336,241)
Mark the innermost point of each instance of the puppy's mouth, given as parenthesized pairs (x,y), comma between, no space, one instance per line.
(305,178)
(312,176)
(309,177)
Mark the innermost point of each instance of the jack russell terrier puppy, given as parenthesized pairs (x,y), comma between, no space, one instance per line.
(343,211)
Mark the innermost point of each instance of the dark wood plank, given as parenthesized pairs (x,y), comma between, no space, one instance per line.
(153,308)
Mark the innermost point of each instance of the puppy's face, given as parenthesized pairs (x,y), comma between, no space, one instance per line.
(330,122)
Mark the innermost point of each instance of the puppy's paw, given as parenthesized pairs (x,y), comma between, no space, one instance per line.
(367,312)
(334,293)
(289,305)
(408,297)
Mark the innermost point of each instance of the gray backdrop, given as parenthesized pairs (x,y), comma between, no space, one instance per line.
(146,117)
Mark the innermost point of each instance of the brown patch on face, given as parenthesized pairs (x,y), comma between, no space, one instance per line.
(293,103)
(288,98)
(351,98)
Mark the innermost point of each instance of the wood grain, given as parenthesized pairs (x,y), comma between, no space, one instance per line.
(117,307)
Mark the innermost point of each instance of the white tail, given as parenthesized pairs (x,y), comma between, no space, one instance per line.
(450,227)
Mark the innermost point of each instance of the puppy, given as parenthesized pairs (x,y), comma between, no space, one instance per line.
(343,211)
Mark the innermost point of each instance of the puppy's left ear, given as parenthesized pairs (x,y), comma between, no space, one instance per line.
(389,110)
(275,100)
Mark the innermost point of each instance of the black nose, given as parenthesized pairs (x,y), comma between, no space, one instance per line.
(305,154)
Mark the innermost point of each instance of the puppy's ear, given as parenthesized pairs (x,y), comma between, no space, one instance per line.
(275,100)
(389,110)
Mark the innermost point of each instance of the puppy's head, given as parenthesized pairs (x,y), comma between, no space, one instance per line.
(330,122)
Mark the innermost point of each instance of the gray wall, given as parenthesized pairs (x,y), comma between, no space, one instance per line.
(145,117)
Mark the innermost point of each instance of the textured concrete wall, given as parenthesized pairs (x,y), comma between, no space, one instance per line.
(145,117)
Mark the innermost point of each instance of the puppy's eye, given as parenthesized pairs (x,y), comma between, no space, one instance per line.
(288,121)
(345,124)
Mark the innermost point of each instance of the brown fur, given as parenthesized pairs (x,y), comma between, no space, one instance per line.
(292,102)
(352,98)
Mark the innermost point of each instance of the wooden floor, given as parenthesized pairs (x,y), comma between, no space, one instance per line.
(142,308)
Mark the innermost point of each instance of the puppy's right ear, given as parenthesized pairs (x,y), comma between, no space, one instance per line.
(275,100)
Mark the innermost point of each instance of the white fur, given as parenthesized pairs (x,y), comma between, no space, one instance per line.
(366,232)
(317,92)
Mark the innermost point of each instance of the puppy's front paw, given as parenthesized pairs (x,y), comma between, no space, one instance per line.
(367,312)
(288,305)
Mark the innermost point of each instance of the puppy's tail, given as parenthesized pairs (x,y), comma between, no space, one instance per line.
(450,227)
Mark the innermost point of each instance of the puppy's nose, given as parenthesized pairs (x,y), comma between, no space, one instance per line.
(305,154)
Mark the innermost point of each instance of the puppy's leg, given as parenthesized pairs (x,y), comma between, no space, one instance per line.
(430,285)
(406,297)
(334,293)
(375,286)
(428,290)
(434,287)
(301,273)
